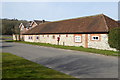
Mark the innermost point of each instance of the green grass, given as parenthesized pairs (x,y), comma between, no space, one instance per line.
(92,50)
(6,37)
(17,67)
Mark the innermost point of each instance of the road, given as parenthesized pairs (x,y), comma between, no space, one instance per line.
(76,63)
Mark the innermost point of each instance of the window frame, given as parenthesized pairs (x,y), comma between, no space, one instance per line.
(95,39)
(29,37)
(53,36)
(66,35)
(59,35)
(78,41)
(37,37)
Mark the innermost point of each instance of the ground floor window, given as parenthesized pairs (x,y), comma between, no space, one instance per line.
(66,35)
(78,39)
(53,36)
(37,37)
(95,37)
(29,37)
(59,35)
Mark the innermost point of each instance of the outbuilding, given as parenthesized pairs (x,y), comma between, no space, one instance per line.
(88,32)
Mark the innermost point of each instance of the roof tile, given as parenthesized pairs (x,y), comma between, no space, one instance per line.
(97,23)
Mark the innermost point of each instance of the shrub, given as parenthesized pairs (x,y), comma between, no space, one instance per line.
(114,38)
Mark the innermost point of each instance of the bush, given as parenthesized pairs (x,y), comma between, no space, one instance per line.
(114,38)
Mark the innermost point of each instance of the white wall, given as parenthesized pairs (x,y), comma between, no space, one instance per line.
(70,40)
(15,37)
(102,44)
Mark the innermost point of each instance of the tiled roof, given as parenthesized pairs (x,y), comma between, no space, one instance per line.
(26,25)
(97,23)
(40,21)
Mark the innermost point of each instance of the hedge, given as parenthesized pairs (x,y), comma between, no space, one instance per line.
(114,38)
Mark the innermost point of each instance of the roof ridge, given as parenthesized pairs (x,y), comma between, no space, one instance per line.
(105,22)
(100,23)
(76,18)
(37,20)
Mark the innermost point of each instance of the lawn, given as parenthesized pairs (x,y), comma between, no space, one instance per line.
(17,67)
(92,50)
(6,37)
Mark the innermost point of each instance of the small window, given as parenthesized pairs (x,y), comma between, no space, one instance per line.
(31,37)
(53,36)
(77,38)
(37,37)
(66,35)
(95,37)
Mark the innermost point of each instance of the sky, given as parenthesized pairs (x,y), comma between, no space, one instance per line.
(54,11)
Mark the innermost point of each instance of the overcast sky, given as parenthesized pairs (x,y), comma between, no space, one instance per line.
(53,11)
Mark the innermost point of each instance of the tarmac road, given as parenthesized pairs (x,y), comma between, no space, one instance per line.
(76,63)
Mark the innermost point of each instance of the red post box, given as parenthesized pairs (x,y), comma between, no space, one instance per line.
(58,39)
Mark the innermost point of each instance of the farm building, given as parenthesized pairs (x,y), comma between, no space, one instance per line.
(31,24)
(27,26)
(89,32)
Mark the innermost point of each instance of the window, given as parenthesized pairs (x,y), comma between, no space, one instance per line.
(66,35)
(47,35)
(95,37)
(29,37)
(53,36)
(37,37)
(77,38)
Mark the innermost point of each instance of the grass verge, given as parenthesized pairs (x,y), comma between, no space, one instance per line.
(6,36)
(17,67)
(92,50)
